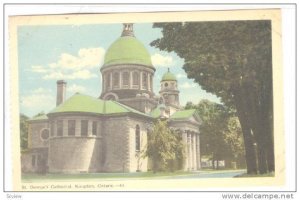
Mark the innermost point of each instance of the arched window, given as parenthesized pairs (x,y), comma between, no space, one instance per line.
(116,80)
(136,79)
(145,81)
(125,78)
(137,138)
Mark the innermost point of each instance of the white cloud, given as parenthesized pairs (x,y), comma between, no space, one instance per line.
(40,90)
(82,74)
(181,75)
(76,88)
(159,60)
(38,102)
(187,85)
(85,58)
(69,66)
(38,69)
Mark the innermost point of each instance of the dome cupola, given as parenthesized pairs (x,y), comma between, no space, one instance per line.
(127,72)
(169,76)
(127,50)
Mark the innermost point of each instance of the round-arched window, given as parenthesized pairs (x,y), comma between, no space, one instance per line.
(166,84)
(45,133)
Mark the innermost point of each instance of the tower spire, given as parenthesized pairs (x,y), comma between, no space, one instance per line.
(127,30)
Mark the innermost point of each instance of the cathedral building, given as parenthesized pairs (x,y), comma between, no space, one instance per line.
(85,134)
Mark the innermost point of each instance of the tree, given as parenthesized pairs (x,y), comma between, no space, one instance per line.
(23,131)
(163,147)
(220,136)
(233,137)
(232,60)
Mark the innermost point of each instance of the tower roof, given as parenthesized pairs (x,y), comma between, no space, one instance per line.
(169,76)
(127,50)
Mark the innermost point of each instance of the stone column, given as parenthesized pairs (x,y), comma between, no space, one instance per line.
(190,151)
(120,79)
(77,128)
(141,80)
(148,79)
(111,81)
(65,128)
(194,151)
(184,139)
(198,152)
(130,80)
(90,128)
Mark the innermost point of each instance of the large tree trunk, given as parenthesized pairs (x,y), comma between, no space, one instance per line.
(250,154)
(267,120)
(257,125)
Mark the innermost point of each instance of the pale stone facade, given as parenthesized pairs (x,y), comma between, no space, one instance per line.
(107,134)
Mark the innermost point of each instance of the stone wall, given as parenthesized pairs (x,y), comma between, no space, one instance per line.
(34,134)
(38,163)
(116,147)
(136,160)
(75,154)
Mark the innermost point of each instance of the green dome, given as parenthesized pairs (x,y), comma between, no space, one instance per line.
(127,50)
(168,76)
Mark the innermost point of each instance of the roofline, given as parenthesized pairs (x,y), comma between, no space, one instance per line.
(105,66)
(184,120)
(98,114)
(168,80)
(37,120)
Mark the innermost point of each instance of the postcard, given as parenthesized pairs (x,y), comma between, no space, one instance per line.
(164,101)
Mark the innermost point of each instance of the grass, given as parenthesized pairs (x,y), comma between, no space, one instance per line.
(28,177)
(245,175)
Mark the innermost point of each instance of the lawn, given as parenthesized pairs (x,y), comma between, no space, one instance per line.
(29,177)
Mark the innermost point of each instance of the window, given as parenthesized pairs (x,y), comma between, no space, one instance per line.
(107,79)
(71,127)
(45,134)
(116,79)
(137,138)
(94,129)
(84,127)
(151,82)
(145,81)
(59,131)
(125,78)
(39,160)
(135,78)
(33,158)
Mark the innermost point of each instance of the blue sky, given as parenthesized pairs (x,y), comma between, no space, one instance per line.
(75,54)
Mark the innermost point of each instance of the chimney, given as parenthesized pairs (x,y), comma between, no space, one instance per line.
(61,92)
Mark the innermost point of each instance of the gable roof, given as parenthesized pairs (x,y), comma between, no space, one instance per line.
(185,115)
(155,113)
(88,104)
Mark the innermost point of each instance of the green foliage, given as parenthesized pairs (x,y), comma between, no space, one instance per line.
(233,60)
(221,136)
(23,131)
(233,136)
(220,55)
(164,147)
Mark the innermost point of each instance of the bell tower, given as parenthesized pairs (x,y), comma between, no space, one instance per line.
(169,91)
